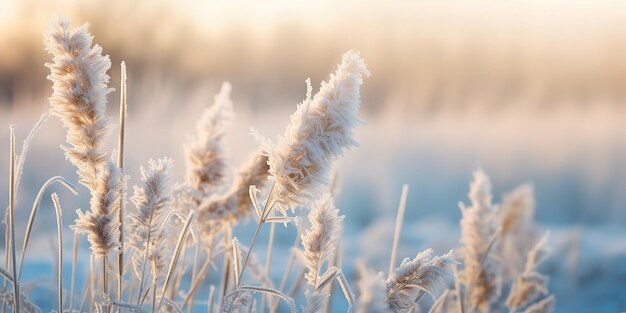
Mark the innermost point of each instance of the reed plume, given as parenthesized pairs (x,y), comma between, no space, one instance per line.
(100,223)
(78,72)
(224,210)
(153,200)
(413,277)
(320,239)
(372,290)
(517,234)
(319,132)
(530,285)
(481,273)
(205,155)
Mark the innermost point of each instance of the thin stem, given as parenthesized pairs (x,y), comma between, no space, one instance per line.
(194,273)
(457,289)
(440,301)
(226,268)
(335,262)
(93,281)
(16,285)
(145,260)
(195,283)
(174,261)
(154,284)
(72,279)
(396,236)
(57,207)
(267,209)
(120,164)
(85,293)
(268,261)
(105,287)
(35,208)
(211,299)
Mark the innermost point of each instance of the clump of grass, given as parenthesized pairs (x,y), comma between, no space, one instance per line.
(199,214)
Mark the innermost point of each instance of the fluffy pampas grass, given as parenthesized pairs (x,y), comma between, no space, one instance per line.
(321,130)
(219,211)
(372,290)
(153,200)
(78,73)
(320,239)
(413,277)
(481,272)
(100,223)
(206,161)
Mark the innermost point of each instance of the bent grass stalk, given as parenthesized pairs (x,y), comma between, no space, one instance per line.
(72,279)
(16,283)
(57,208)
(35,208)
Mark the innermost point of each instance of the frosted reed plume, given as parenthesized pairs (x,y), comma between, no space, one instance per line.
(78,73)
(320,239)
(224,210)
(481,273)
(372,290)
(422,274)
(320,131)
(517,234)
(153,200)
(530,285)
(100,223)
(205,155)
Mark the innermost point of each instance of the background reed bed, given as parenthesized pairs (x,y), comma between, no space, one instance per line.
(181,235)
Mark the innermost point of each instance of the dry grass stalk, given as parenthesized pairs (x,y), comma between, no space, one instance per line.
(33,212)
(11,225)
(57,208)
(398,228)
(120,164)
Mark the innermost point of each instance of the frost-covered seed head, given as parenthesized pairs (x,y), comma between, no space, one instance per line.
(78,72)
(205,153)
(481,273)
(153,200)
(320,239)
(319,132)
(101,223)
(420,274)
